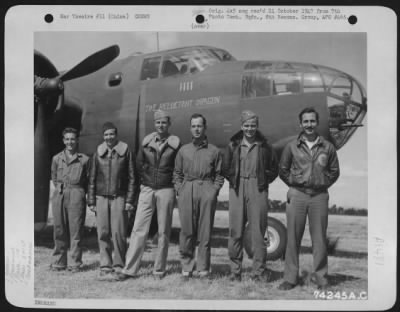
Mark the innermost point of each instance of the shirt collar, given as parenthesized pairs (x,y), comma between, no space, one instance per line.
(203,143)
(301,139)
(158,139)
(245,143)
(120,148)
(71,159)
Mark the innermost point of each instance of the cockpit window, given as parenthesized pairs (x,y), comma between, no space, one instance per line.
(341,86)
(192,61)
(345,96)
(286,83)
(173,66)
(259,83)
(223,55)
(259,66)
(256,84)
(150,68)
(347,107)
(312,82)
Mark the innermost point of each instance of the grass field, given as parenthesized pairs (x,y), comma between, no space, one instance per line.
(347,269)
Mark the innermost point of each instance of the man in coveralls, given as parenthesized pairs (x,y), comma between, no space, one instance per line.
(309,166)
(69,176)
(155,164)
(111,196)
(250,166)
(198,178)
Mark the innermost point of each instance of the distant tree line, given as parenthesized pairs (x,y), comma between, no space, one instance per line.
(280,206)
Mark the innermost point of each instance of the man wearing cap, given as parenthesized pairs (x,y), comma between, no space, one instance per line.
(155,164)
(198,178)
(250,166)
(309,166)
(69,176)
(111,196)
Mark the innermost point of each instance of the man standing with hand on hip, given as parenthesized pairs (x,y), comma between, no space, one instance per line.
(155,164)
(198,178)
(250,166)
(309,166)
(111,196)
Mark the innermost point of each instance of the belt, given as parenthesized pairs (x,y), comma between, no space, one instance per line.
(111,196)
(72,186)
(64,186)
(310,191)
(191,178)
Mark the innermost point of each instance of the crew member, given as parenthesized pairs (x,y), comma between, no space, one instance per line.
(309,166)
(111,196)
(69,176)
(198,178)
(250,166)
(155,164)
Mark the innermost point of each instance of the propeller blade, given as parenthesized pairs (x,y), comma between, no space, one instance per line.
(92,63)
(42,163)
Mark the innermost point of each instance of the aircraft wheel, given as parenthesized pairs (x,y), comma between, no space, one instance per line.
(276,244)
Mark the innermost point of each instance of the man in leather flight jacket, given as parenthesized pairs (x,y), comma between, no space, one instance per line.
(250,165)
(111,196)
(155,164)
(309,166)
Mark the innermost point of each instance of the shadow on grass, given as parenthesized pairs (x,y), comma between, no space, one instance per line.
(337,253)
(333,279)
(45,239)
(219,240)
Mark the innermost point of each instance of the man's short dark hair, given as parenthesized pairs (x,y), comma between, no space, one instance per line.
(308,110)
(70,130)
(197,115)
(109,125)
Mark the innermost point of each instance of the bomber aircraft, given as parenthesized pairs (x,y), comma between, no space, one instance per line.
(183,81)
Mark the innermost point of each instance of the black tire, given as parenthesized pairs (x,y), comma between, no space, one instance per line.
(277,240)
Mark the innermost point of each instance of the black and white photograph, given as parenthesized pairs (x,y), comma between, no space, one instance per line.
(178,167)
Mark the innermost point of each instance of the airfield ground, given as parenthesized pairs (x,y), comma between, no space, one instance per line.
(347,269)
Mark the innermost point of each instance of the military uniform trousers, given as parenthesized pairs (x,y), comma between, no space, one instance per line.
(150,199)
(112,222)
(197,202)
(247,205)
(69,212)
(298,207)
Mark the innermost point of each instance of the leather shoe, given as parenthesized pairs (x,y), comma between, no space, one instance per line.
(105,275)
(186,276)
(75,269)
(204,275)
(158,275)
(286,286)
(265,276)
(120,277)
(322,283)
(323,287)
(57,268)
(235,277)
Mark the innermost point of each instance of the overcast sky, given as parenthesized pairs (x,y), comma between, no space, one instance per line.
(343,51)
